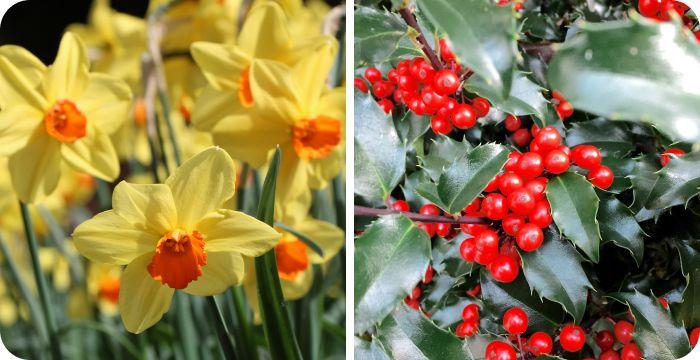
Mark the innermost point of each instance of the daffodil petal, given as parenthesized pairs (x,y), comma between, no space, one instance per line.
(212,106)
(36,168)
(109,238)
(312,71)
(292,182)
(250,139)
(202,184)
(223,270)
(68,77)
(20,75)
(294,209)
(297,288)
(332,104)
(228,230)
(93,154)
(106,102)
(327,236)
(146,206)
(142,300)
(264,34)
(130,31)
(221,64)
(322,170)
(274,92)
(17,123)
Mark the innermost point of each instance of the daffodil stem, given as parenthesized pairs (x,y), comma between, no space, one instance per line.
(243,320)
(165,105)
(221,329)
(44,297)
(34,311)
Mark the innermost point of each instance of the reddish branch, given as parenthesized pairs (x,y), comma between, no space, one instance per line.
(543,50)
(367,211)
(408,17)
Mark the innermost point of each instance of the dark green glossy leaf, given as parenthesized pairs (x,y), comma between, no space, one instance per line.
(411,126)
(380,157)
(409,186)
(275,318)
(408,334)
(574,206)
(554,271)
(525,97)
(633,70)
(612,138)
(690,254)
(617,224)
(442,152)
(390,258)
(483,36)
(542,314)
(465,178)
(643,178)
(370,350)
(678,182)
(658,335)
(381,36)
(541,26)
(621,168)
(689,309)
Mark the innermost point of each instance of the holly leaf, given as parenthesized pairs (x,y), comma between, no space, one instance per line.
(369,350)
(643,178)
(465,178)
(617,224)
(409,185)
(554,271)
(411,127)
(381,36)
(443,151)
(408,334)
(525,97)
(574,205)
(678,182)
(622,70)
(689,309)
(542,314)
(658,335)
(621,168)
(380,157)
(390,258)
(482,35)
(610,137)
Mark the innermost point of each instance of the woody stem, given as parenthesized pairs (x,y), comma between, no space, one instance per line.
(367,211)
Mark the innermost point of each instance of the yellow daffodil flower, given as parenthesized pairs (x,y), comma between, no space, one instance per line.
(305,20)
(103,285)
(56,114)
(295,259)
(115,41)
(174,236)
(55,264)
(8,308)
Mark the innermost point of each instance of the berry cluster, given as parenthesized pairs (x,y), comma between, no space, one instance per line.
(413,299)
(425,90)
(661,10)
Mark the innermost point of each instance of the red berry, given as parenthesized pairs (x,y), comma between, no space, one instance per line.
(428,277)
(481,106)
(492,185)
(548,138)
(541,214)
(529,237)
(464,117)
(412,303)
(429,229)
(432,99)
(361,85)
(485,257)
(556,162)
(382,88)
(534,130)
(499,350)
(470,313)
(445,82)
(445,51)
(558,96)
(430,209)
(468,249)
(400,205)
(530,165)
(536,187)
(623,331)
(663,302)
(564,110)
(586,156)
(509,182)
(393,76)
(649,8)
(372,74)
(511,223)
(473,229)
(669,154)
(473,207)
(565,149)
(609,354)
(440,125)
(540,343)
(572,338)
(422,71)
(512,123)
(512,162)
(515,321)
(466,329)
(521,201)
(443,229)
(416,293)
(407,82)
(448,108)
(601,176)
(386,105)
(487,240)
(475,291)
(403,67)
(694,336)
(521,137)
(494,206)
(604,339)
(630,352)
(504,268)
